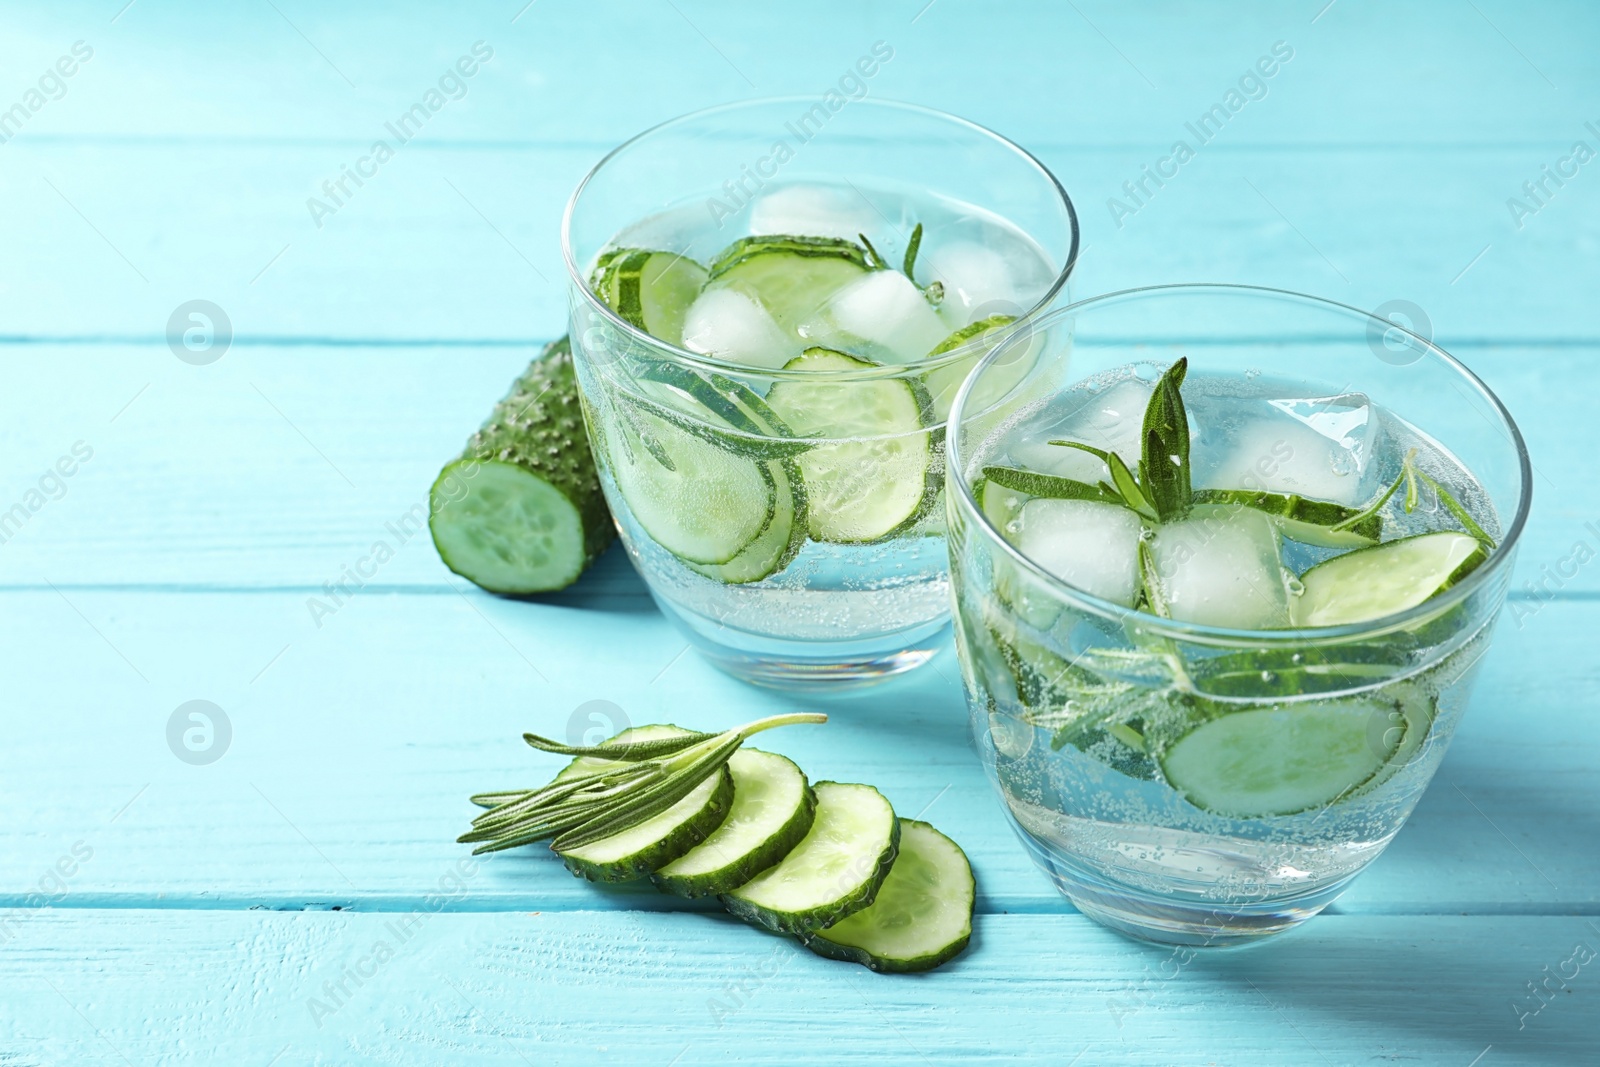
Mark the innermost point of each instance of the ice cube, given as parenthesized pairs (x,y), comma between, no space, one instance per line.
(1317,447)
(812,211)
(978,281)
(1109,420)
(884,309)
(1222,567)
(1094,547)
(729,325)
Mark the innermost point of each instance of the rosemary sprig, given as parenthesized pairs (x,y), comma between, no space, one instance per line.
(874,259)
(648,778)
(933,291)
(1164,462)
(911,252)
(1162,491)
(1410,475)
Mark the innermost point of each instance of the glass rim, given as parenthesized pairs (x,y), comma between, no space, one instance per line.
(711,364)
(1199,633)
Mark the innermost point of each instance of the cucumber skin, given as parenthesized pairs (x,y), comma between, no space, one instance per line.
(747,248)
(832,950)
(806,922)
(669,848)
(538,426)
(731,877)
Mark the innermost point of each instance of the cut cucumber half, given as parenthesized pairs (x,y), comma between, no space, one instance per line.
(772,812)
(1281,760)
(922,916)
(702,503)
(1373,582)
(875,474)
(652,844)
(651,290)
(520,511)
(1306,521)
(836,869)
(792,277)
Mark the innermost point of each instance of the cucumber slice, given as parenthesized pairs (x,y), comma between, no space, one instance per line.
(651,290)
(658,841)
(703,503)
(520,511)
(1280,760)
(1373,582)
(792,277)
(836,869)
(875,475)
(1001,504)
(922,916)
(1306,521)
(772,811)
(944,382)
(776,546)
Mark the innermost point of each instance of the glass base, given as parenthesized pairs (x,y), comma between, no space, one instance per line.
(1169,920)
(809,666)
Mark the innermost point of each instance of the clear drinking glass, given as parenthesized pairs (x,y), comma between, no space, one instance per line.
(690,459)
(1076,701)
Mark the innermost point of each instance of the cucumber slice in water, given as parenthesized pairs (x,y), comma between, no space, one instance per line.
(875,475)
(702,503)
(651,290)
(772,811)
(944,382)
(922,916)
(520,511)
(1281,760)
(836,869)
(792,277)
(658,841)
(1372,582)
(1303,520)
(776,546)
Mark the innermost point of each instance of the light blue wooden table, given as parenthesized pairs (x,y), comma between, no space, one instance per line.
(153,911)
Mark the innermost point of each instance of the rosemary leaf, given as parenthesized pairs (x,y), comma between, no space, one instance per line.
(625,750)
(646,779)
(911,251)
(1128,487)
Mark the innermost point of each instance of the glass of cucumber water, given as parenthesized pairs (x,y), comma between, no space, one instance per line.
(1224,573)
(773,306)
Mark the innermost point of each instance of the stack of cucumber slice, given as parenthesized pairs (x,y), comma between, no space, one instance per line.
(827,862)
(844,447)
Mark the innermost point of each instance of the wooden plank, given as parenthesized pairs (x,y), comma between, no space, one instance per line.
(280,466)
(586,987)
(354,746)
(454,242)
(1106,74)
